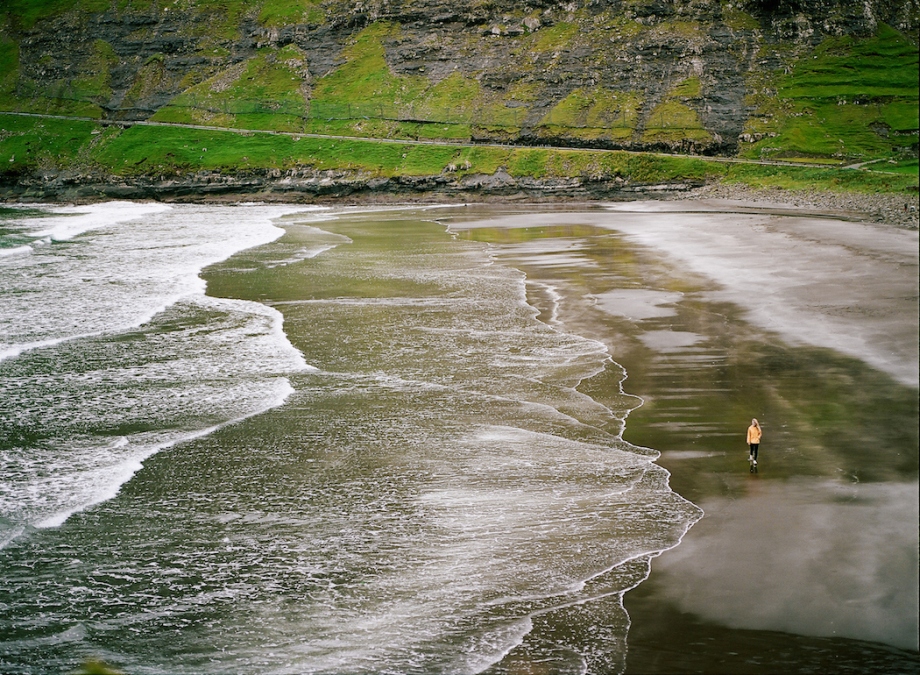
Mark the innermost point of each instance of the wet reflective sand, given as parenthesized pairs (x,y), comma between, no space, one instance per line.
(808,324)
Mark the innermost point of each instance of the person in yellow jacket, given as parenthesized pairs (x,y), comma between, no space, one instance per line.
(753,439)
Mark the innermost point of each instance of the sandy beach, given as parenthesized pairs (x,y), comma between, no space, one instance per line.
(494,438)
(730,309)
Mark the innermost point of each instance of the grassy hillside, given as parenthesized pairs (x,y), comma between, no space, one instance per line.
(34,145)
(847,100)
(566,75)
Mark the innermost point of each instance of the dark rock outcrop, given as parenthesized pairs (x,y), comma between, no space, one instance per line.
(309,186)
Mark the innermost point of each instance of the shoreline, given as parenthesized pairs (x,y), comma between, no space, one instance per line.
(887,208)
(781,268)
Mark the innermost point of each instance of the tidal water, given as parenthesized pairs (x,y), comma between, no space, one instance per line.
(260,439)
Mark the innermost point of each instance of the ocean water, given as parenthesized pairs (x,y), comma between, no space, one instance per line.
(262,439)
(107,335)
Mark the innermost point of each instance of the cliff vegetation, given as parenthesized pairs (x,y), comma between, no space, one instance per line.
(831,83)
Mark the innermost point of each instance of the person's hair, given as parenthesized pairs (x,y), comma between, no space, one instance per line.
(755,423)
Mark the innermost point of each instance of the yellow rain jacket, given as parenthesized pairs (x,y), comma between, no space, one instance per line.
(754,434)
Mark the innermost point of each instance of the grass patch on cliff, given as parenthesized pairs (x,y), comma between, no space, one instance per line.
(672,122)
(555,37)
(276,13)
(737,19)
(850,99)
(872,68)
(364,86)
(827,129)
(80,96)
(689,88)
(9,69)
(96,85)
(152,77)
(266,92)
(374,101)
(453,99)
(25,13)
(593,114)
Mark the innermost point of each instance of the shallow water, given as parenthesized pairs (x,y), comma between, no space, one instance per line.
(409,478)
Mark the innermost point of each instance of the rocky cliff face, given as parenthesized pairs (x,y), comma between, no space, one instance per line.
(637,74)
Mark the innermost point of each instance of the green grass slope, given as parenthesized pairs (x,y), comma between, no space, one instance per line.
(848,100)
(29,145)
(266,92)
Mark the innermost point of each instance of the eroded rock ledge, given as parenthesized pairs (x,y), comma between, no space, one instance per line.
(343,187)
(300,185)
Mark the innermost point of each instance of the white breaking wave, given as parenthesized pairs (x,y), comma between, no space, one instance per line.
(114,330)
(16,250)
(71,221)
(99,483)
(142,259)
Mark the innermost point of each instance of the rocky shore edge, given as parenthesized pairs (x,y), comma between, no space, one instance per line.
(337,187)
(899,209)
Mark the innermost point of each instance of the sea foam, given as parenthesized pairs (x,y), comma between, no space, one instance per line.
(112,329)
